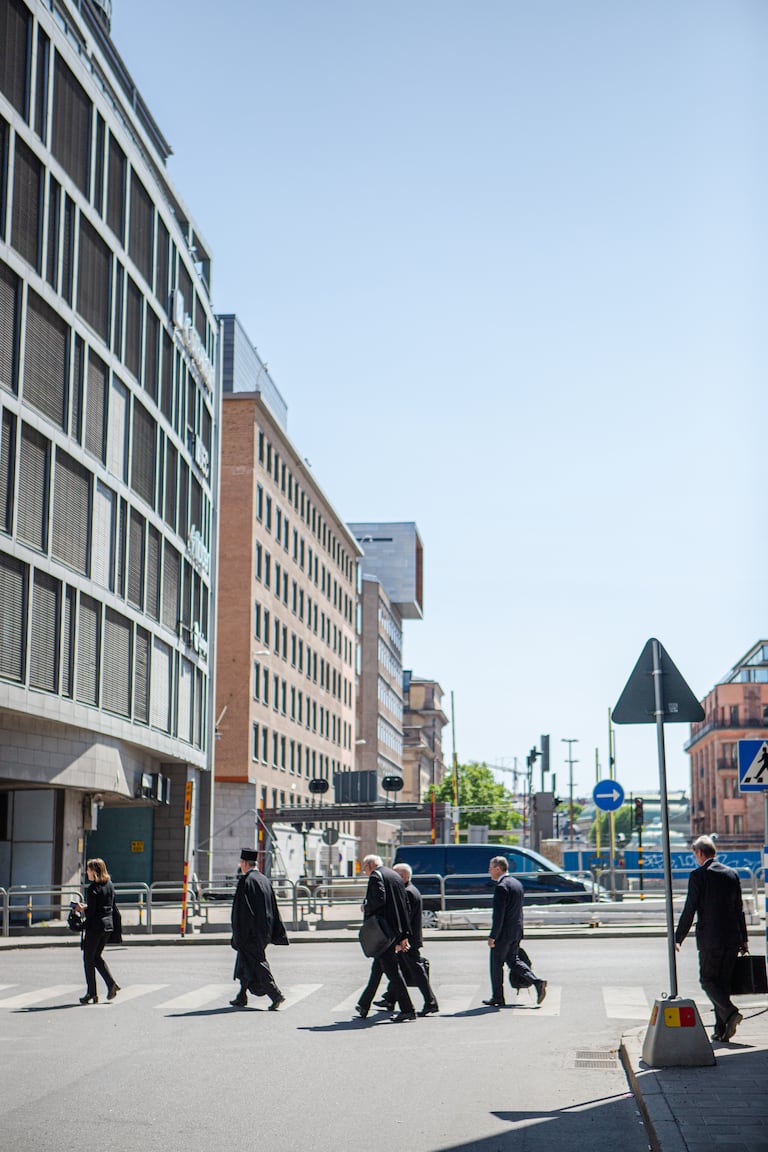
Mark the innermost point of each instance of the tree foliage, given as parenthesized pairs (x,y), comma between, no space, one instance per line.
(624,825)
(482,800)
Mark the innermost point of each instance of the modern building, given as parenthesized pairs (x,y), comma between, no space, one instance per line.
(391,591)
(108,456)
(287,608)
(736,709)
(423,724)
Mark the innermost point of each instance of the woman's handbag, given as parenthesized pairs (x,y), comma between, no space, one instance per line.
(76,920)
(749,976)
(116,935)
(375,936)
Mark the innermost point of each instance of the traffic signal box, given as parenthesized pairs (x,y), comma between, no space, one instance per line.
(676,1036)
(638,811)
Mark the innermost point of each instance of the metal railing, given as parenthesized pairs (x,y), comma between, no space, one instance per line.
(24,900)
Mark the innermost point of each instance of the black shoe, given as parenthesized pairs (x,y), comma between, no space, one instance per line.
(113,991)
(402,1017)
(89,999)
(240,1001)
(731,1025)
(494,1003)
(541,991)
(384,1003)
(279,999)
(716,1037)
(361,1010)
(428,1009)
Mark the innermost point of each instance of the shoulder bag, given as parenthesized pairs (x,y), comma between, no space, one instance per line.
(375,936)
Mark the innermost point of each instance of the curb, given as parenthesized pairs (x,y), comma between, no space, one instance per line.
(663,1131)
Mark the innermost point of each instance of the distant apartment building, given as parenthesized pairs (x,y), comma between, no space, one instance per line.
(285,693)
(391,591)
(423,724)
(108,419)
(736,709)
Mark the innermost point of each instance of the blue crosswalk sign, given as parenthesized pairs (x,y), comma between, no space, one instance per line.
(753,765)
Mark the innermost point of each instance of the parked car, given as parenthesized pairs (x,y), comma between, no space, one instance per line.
(464,869)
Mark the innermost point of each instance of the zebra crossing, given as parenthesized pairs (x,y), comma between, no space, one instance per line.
(618,1002)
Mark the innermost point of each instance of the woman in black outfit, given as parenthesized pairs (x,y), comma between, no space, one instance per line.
(99,906)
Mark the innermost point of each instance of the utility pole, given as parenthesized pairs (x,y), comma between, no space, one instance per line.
(570,762)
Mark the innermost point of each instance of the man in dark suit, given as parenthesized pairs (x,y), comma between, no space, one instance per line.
(256,922)
(714,897)
(506,934)
(412,964)
(386,897)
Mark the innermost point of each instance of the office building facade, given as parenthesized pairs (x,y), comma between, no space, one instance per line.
(287,601)
(108,410)
(423,724)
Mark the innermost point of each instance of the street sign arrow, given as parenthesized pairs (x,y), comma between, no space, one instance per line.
(637,703)
(608,795)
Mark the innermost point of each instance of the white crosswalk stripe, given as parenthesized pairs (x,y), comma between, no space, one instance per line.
(454,998)
(199,998)
(134,991)
(24,999)
(347,1007)
(626,1003)
(296,992)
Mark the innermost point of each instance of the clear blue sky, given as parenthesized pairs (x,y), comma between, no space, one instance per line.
(509,256)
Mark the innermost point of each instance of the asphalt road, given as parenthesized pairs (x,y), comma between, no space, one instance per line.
(169,1065)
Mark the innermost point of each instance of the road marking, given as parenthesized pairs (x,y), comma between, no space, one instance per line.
(199,998)
(23,999)
(626,1003)
(454,998)
(3,986)
(133,991)
(296,992)
(551,1005)
(347,1007)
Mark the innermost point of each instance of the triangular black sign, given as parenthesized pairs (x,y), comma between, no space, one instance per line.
(637,704)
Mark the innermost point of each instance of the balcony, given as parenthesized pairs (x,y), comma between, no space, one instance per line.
(716,724)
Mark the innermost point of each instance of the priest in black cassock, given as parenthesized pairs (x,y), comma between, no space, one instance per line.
(255,924)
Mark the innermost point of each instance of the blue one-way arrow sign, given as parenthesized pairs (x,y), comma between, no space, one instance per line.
(608,795)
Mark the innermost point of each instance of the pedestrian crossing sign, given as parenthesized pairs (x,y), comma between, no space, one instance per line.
(753,765)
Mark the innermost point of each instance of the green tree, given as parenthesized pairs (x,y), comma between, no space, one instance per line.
(482,800)
(624,825)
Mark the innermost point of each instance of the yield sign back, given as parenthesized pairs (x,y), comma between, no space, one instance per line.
(637,704)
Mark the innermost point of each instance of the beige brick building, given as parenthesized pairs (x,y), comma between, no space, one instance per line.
(423,724)
(285,689)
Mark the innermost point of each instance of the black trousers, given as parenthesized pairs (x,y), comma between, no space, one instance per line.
(254,973)
(715,974)
(414,972)
(506,952)
(93,961)
(387,965)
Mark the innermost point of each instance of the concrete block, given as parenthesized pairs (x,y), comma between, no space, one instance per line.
(676,1036)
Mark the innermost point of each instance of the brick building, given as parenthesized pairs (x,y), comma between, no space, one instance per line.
(736,709)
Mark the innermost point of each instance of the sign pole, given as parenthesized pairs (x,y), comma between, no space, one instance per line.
(185,882)
(658,696)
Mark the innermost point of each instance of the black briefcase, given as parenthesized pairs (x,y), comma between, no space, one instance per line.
(408,972)
(749,976)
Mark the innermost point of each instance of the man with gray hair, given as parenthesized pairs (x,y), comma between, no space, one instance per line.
(385,896)
(714,898)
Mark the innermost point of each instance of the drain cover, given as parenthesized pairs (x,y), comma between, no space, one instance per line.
(599,1059)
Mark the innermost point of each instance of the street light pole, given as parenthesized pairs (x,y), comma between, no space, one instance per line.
(570,762)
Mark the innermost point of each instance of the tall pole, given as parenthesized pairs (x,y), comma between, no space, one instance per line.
(598,813)
(658,697)
(570,762)
(455,776)
(612,815)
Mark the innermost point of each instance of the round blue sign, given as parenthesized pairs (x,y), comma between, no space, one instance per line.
(608,795)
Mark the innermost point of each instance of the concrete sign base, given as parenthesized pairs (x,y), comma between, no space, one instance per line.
(676,1036)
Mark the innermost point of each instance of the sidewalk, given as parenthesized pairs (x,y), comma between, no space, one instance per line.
(721,1108)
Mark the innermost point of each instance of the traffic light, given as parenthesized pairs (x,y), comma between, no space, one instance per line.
(532,757)
(638,811)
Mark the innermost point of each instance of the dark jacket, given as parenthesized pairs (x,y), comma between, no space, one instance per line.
(256,920)
(99,904)
(714,897)
(413,899)
(507,922)
(386,896)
